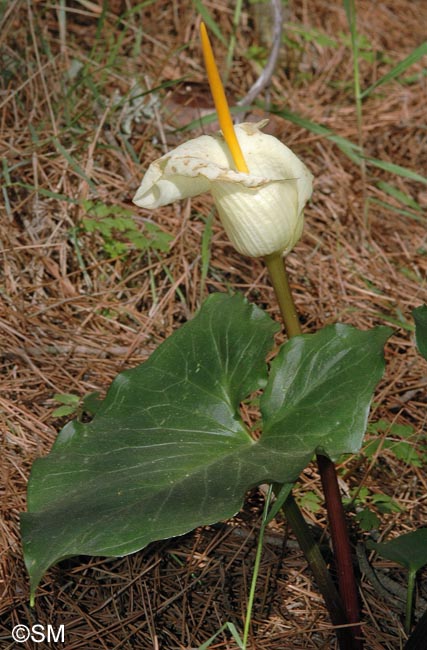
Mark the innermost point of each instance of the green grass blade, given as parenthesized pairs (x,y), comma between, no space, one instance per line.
(396,169)
(414,78)
(394,208)
(44,192)
(256,566)
(399,69)
(206,251)
(233,631)
(281,497)
(6,174)
(97,51)
(6,201)
(209,21)
(397,322)
(351,149)
(172,280)
(208,119)
(350,10)
(73,235)
(400,196)
(73,164)
(233,40)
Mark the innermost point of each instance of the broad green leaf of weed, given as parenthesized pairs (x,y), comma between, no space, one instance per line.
(63,411)
(310,500)
(91,403)
(408,550)
(367,519)
(67,398)
(156,239)
(385,503)
(406,452)
(70,404)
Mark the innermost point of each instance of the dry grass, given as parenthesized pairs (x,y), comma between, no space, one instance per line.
(71,317)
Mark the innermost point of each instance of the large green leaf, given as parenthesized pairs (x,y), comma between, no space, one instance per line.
(167,450)
(164,453)
(320,389)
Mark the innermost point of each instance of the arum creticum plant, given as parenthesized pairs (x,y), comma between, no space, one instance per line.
(167,449)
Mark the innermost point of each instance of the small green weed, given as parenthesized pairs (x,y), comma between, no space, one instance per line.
(69,404)
(309,500)
(257,53)
(119,232)
(369,505)
(312,35)
(399,439)
(408,550)
(74,405)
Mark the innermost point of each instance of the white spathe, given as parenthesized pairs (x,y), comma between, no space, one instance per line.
(262,212)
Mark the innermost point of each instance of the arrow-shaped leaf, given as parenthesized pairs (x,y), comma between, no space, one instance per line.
(163,453)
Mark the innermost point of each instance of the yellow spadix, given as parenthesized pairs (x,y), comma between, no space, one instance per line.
(221,104)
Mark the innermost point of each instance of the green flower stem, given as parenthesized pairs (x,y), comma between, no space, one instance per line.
(341,544)
(279,279)
(347,583)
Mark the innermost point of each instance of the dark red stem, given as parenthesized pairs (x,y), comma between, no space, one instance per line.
(341,543)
